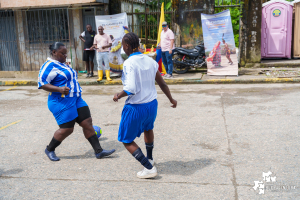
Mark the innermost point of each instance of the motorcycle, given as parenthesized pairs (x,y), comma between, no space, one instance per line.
(185,59)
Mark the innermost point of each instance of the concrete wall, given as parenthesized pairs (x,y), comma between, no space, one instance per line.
(127,7)
(77,44)
(40,3)
(188,18)
(32,56)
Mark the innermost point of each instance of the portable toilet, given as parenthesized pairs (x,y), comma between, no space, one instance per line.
(296,45)
(276,29)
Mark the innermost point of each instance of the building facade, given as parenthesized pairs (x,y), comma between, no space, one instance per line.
(28,27)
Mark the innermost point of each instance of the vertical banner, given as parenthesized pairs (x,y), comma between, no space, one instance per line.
(114,27)
(219,44)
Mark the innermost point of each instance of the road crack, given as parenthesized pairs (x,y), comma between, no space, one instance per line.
(229,152)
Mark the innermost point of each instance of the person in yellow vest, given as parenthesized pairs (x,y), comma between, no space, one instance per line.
(102,42)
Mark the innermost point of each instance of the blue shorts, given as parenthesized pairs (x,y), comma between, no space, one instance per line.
(64,109)
(137,118)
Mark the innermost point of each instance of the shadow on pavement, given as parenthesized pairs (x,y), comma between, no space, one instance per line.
(10,172)
(102,139)
(89,154)
(105,145)
(183,168)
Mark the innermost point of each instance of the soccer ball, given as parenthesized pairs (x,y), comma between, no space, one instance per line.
(98,131)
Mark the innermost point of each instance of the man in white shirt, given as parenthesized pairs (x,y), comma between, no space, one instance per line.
(167,47)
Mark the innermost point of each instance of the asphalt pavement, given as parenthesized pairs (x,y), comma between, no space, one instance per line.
(217,144)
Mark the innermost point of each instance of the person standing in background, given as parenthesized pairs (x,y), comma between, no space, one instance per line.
(167,47)
(88,55)
(102,42)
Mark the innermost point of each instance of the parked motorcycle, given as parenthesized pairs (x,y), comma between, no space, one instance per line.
(185,59)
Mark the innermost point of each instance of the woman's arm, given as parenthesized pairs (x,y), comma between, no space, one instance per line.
(51,88)
(120,95)
(164,87)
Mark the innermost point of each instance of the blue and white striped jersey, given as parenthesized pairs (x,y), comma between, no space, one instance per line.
(59,74)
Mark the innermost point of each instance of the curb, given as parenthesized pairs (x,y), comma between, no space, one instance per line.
(170,81)
(19,83)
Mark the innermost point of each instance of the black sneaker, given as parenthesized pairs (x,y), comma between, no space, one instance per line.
(88,75)
(92,75)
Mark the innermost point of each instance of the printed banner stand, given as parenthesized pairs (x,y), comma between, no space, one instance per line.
(222,58)
(114,26)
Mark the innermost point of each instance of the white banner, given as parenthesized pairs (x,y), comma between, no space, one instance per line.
(219,44)
(114,26)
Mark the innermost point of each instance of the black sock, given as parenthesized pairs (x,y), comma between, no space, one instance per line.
(138,154)
(95,144)
(149,148)
(53,144)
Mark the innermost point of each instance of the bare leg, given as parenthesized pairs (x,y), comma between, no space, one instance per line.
(229,59)
(87,127)
(149,171)
(62,133)
(148,136)
(89,133)
(131,147)
(87,66)
(92,67)
(58,137)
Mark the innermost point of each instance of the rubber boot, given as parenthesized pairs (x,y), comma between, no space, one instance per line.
(107,72)
(100,75)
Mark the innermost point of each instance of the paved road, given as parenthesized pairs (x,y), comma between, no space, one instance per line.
(219,140)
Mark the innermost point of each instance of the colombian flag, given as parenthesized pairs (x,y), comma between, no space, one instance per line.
(158,51)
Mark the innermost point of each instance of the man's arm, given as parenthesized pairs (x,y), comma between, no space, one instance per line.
(81,36)
(93,47)
(82,39)
(94,44)
(107,46)
(171,46)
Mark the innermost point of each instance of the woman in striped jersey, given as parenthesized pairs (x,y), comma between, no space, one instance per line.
(65,102)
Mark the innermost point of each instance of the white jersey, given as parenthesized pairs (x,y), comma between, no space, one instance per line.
(138,78)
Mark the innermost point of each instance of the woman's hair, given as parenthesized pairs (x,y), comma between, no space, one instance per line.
(55,46)
(132,40)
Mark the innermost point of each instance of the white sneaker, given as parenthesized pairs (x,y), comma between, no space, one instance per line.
(166,76)
(151,161)
(147,173)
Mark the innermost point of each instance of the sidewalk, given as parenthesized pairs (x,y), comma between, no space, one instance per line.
(246,75)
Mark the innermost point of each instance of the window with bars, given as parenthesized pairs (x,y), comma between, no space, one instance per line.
(49,25)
